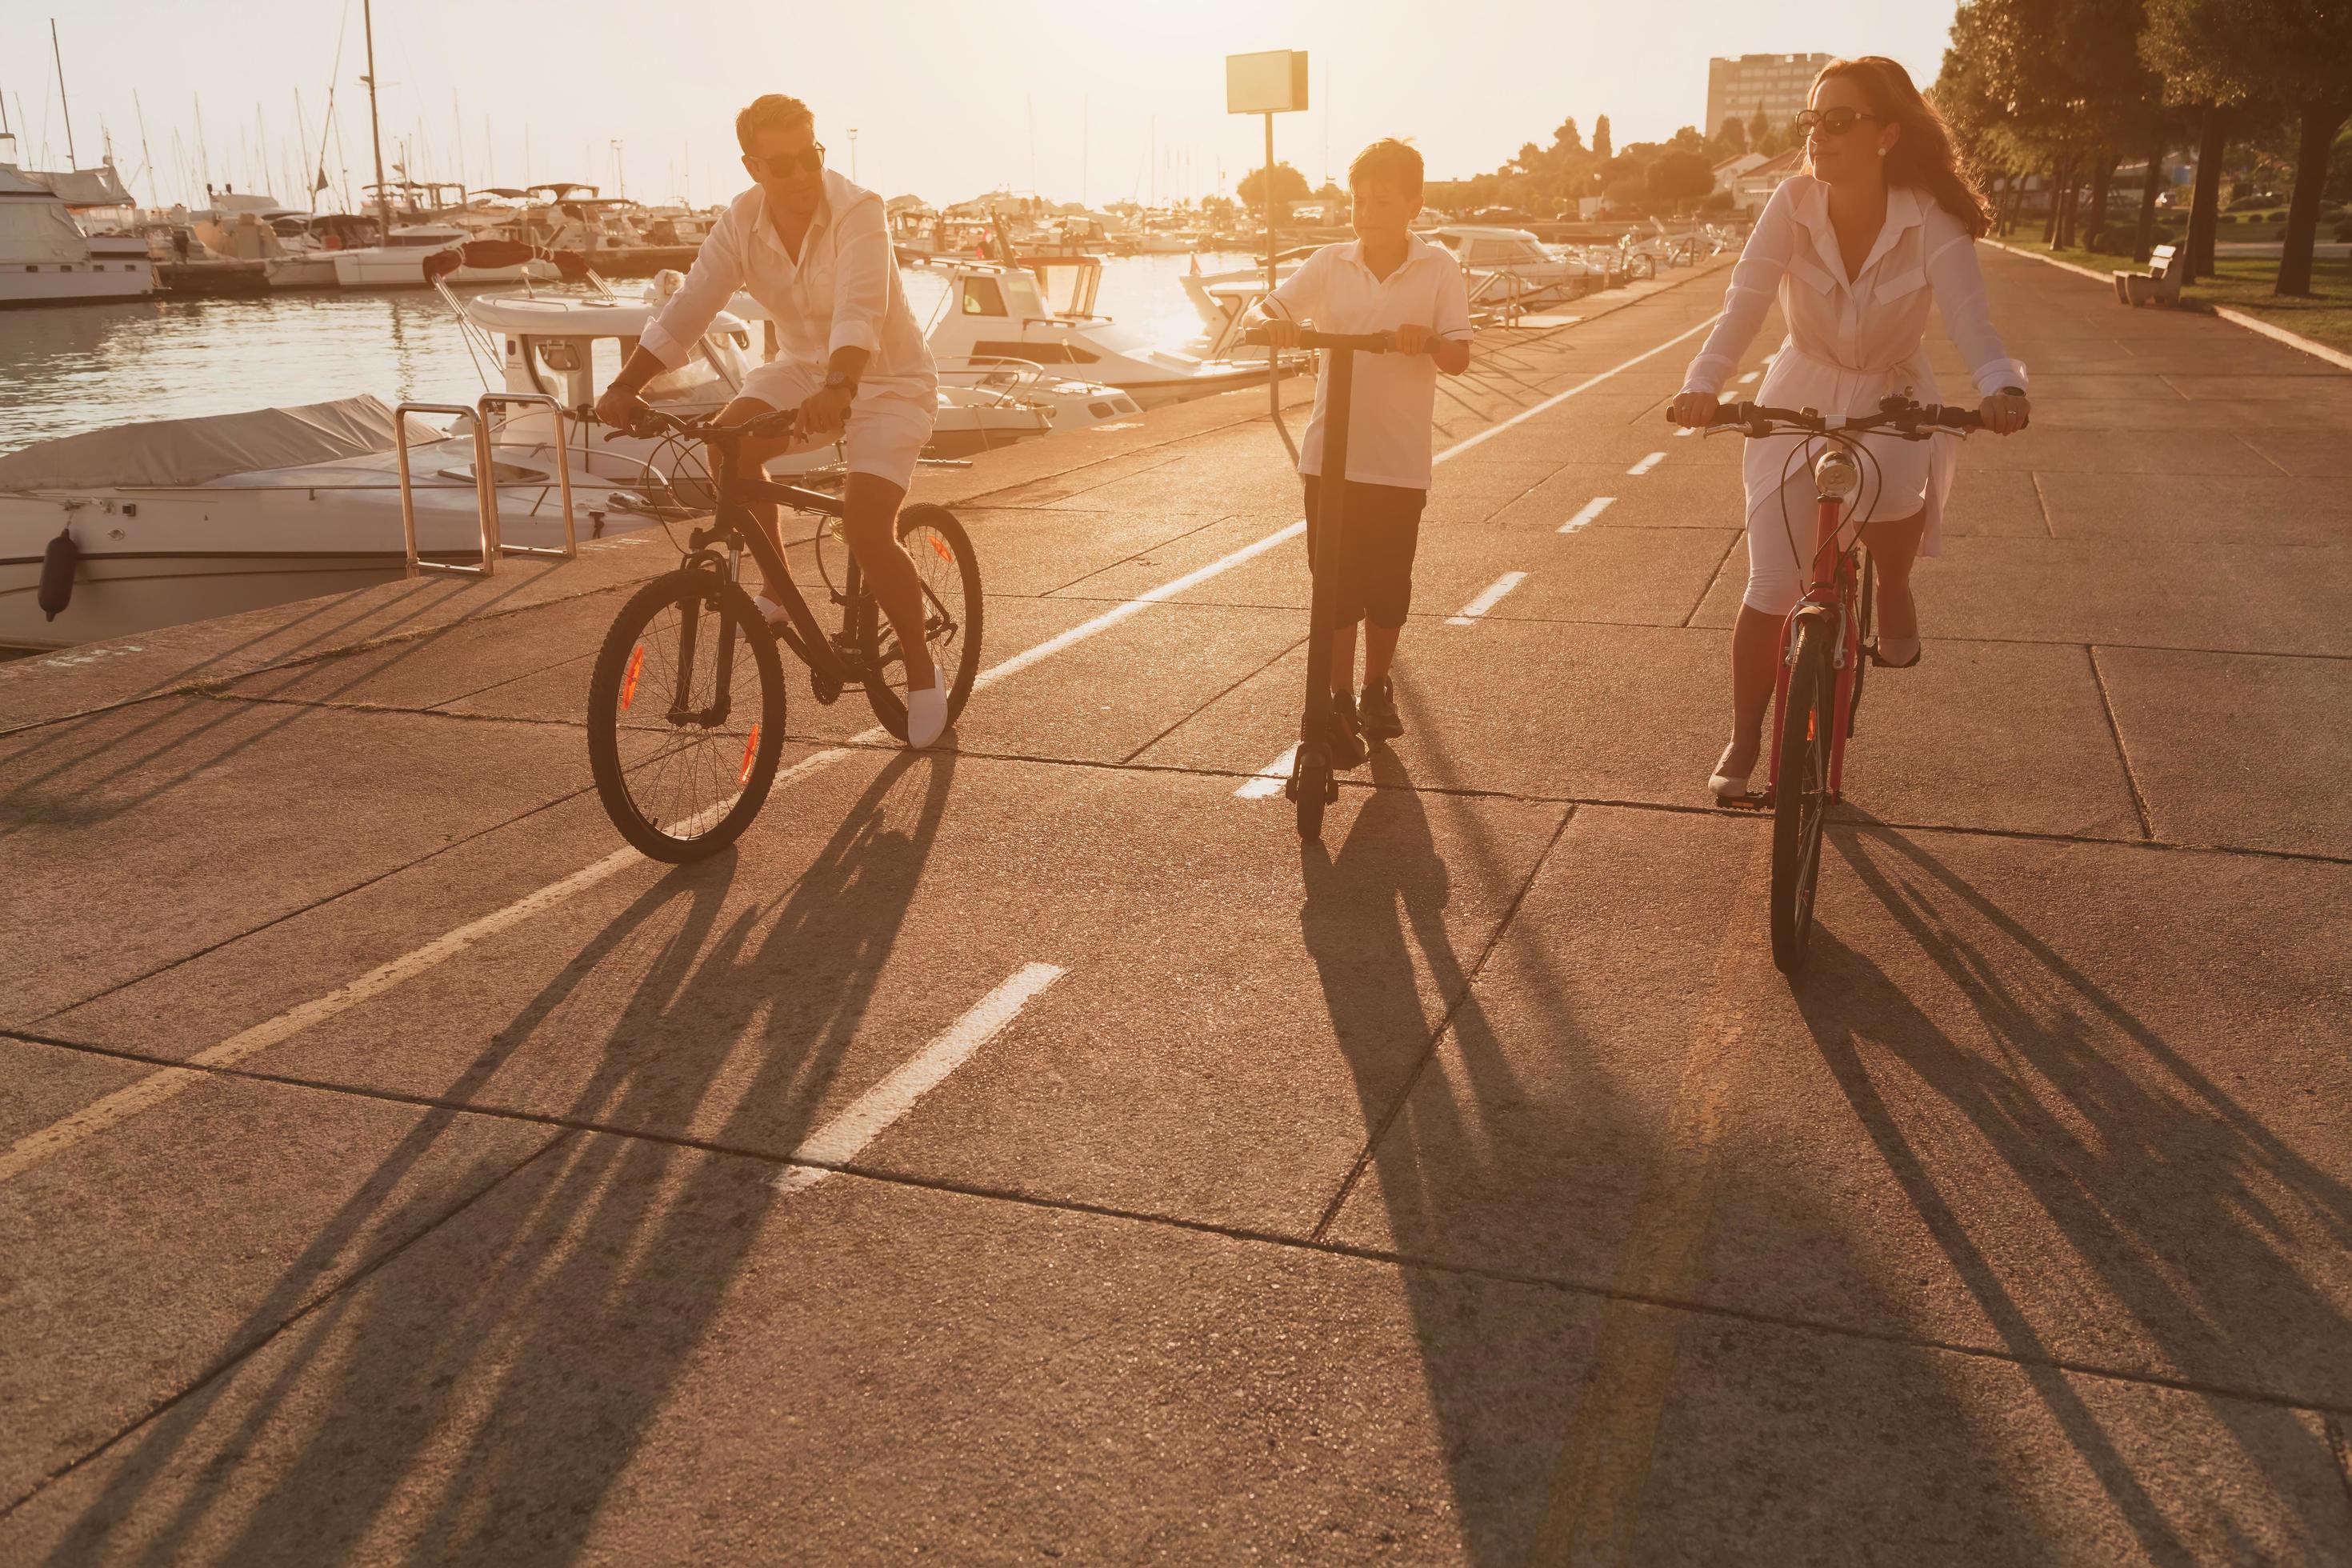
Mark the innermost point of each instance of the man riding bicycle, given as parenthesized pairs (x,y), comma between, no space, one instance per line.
(815,252)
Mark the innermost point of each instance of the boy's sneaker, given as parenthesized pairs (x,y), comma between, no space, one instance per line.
(1346,732)
(1381,719)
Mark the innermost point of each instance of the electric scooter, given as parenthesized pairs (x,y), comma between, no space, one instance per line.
(1314,784)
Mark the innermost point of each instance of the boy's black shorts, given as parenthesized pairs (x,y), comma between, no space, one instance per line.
(1381,532)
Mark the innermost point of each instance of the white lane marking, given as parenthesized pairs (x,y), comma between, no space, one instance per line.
(1269,779)
(1688,430)
(1586,385)
(1751,378)
(1468,615)
(839,1140)
(1646,464)
(100,1114)
(35,1147)
(1593,508)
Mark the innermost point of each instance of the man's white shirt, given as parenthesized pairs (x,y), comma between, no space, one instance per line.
(1394,400)
(843,292)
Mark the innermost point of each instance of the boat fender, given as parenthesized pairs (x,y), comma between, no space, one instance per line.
(57,573)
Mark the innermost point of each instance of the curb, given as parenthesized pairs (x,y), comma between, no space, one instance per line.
(2335,357)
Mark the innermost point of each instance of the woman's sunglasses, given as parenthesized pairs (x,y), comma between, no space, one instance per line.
(808,163)
(1831,122)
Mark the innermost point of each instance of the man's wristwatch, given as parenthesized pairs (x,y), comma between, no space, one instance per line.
(841,381)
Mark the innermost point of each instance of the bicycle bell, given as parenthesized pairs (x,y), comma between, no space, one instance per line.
(1836,475)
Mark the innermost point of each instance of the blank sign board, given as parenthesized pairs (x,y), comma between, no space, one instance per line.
(1271,82)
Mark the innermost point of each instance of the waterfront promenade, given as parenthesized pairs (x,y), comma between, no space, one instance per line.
(1028,1150)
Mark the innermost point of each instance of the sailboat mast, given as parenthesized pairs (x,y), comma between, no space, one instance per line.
(375,129)
(73,159)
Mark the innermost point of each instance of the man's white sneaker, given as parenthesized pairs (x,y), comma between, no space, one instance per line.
(927,710)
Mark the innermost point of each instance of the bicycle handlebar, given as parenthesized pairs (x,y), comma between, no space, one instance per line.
(1898,415)
(650,421)
(1364,342)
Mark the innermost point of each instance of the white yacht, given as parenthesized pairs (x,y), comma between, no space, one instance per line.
(991,310)
(1512,264)
(399,261)
(44,258)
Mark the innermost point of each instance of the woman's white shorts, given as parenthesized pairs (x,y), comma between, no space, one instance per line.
(1781,518)
(888,425)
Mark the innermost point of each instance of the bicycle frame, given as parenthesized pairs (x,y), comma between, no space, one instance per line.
(1831,593)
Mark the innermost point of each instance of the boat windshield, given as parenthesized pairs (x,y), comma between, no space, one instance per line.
(1021,293)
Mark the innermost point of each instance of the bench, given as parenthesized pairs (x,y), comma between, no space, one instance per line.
(2161,283)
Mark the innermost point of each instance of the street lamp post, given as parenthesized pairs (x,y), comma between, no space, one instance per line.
(853,154)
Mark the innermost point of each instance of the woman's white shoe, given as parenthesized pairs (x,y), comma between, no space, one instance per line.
(770,611)
(927,710)
(1728,788)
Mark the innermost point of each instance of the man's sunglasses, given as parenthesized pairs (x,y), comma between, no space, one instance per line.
(808,163)
(1831,122)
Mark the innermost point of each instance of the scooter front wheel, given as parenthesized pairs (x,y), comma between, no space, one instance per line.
(1312,786)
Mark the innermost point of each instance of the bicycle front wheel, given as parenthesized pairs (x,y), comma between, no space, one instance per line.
(949,575)
(1866,620)
(1802,793)
(685,716)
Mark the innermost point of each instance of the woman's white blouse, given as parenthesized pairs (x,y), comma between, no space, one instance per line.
(1859,334)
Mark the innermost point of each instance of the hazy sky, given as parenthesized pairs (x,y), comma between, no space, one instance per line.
(949,96)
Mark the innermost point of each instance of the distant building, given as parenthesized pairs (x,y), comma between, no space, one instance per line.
(1752,187)
(1778,82)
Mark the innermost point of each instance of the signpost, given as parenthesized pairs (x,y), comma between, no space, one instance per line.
(1270,83)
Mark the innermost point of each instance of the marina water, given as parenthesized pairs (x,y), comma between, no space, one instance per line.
(64,369)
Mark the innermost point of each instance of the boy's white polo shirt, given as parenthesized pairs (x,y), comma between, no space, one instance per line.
(1395,395)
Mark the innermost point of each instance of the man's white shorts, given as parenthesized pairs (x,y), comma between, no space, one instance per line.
(888,427)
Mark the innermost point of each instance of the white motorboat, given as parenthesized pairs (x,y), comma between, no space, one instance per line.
(1512,266)
(990,310)
(44,258)
(154,524)
(399,261)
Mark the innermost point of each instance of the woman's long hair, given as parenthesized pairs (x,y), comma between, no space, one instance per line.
(1923,157)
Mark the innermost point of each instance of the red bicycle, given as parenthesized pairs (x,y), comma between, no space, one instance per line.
(1818,690)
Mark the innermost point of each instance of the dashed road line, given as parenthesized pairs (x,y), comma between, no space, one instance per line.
(1751,378)
(868,1116)
(1592,509)
(1646,464)
(1469,614)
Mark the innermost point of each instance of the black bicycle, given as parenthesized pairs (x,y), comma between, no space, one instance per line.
(685,707)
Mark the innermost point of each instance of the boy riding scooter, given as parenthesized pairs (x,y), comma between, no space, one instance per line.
(1389,281)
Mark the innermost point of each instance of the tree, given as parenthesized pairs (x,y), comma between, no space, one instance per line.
(2298,52)
(1731,137)
(1760,127)
(1680,176)
(1600,138)
(1567,138)
(1289,185)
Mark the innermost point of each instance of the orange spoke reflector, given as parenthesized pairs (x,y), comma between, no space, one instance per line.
(1809,718)
(941,546)
(629,681)
(751,750)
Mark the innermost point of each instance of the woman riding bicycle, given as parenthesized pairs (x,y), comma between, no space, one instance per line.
(1883,219)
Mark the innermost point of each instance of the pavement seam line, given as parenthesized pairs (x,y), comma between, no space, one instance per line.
(2041,499)
(1436,1040)
(1248,1234)
(1731,544)
(2123,753)
(235,1357)
(1272,659)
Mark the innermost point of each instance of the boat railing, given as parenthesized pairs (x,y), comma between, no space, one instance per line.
(486,483)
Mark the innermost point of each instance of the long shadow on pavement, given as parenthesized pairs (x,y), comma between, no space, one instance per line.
(2134,1154)
(564,1352)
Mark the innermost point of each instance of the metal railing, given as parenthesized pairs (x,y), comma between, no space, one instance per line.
(486,484)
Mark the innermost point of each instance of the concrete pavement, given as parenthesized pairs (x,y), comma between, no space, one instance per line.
(391,1169)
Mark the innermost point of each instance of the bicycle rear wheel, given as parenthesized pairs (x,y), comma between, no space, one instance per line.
(682,772)
(1802,793)
(949,574)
